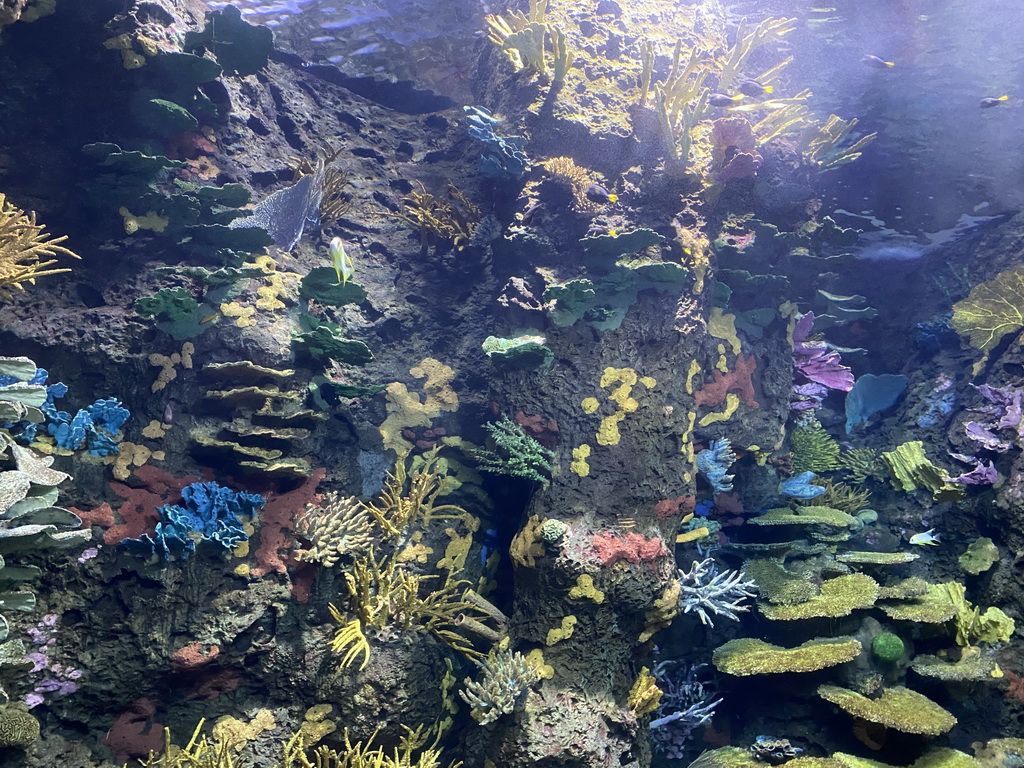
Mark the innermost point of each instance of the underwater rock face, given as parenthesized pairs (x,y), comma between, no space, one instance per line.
(524,332)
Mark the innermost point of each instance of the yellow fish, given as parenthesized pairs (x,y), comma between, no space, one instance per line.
(340,261)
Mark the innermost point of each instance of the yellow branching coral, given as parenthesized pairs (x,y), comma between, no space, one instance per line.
(26,251)
(564,170)
(335,527)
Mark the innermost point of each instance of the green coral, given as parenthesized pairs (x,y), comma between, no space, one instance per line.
(750,656)
(814,450)
(839,597)
(887,648)
(898,708)
(176,313)
(911,470)
(322,285)
(323,340)
(517,455)
(981,555)
(605,250)
(526,352)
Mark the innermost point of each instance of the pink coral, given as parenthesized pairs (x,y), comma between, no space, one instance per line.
(134,734)
(633,548)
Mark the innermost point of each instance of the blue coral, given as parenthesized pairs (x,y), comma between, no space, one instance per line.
(714,463)
(505,158)
(211,512)
(93,427)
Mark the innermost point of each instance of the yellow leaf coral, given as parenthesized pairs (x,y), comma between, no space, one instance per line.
(991,311)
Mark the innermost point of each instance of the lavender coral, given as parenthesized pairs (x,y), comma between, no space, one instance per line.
(816,368)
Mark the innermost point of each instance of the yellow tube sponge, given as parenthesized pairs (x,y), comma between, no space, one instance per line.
(564,632)
(579,460)
(723,326)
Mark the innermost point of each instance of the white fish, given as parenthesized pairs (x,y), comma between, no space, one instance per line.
(340,261)
(929,537)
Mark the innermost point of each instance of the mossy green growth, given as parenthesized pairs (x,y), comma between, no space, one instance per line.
(813,448)
(887,648)
(323,340)
(605,250)
(911,470)
(750,656)
(240,48)
(981,555)
(322,285)
(525,352)
(839,597)
(176,313)
(898,708)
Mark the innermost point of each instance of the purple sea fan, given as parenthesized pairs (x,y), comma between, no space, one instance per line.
(816,368)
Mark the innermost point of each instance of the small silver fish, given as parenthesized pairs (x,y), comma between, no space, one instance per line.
(928,537)
(340,261)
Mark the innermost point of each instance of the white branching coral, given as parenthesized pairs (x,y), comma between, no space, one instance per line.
(334,527)
(706,591)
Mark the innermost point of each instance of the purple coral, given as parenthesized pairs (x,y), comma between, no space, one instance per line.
(1001,411)
(686,704)
(51,677)
(816,368)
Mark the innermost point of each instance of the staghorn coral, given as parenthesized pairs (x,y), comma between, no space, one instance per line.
(861,463)
(813,448)
(500,685)
(26,251)
(335,527)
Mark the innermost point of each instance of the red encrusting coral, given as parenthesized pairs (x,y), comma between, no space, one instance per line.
(277,521)
(633,548)
(543,429)
(192,656)
(668,508)
(739,380)
(137,513)
(134,734)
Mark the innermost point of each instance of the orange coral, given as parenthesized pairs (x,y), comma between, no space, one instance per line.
(738,380)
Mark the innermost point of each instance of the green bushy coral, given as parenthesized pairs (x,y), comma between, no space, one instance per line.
(813,448)
(517,455)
